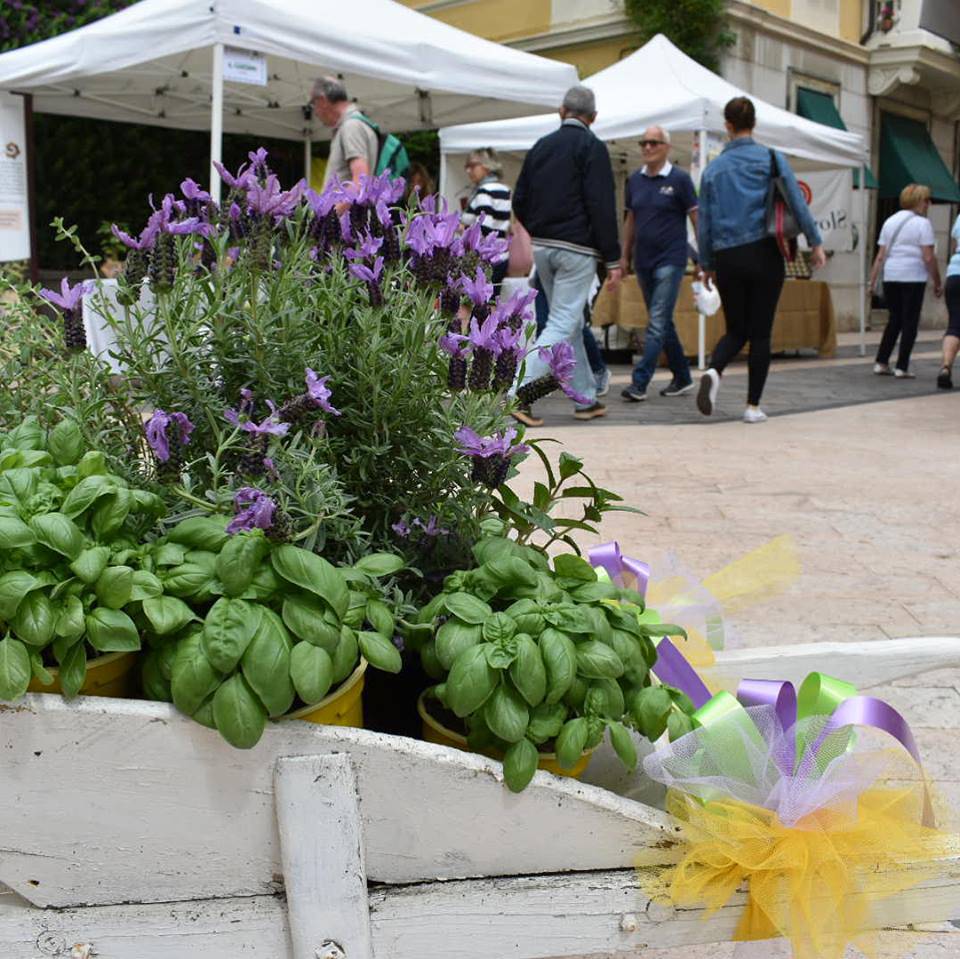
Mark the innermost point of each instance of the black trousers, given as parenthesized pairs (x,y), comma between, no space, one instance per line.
(951,293)
(904,301)
(749,278)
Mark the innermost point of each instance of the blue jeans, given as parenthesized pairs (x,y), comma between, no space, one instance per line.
(566,278)
(594,353)
(660,287)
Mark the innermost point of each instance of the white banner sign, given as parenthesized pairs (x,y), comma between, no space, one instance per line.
(14,209)
(829,195)
(241,66)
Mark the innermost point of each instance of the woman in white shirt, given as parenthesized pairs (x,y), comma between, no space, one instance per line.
(905,251)
(951,339)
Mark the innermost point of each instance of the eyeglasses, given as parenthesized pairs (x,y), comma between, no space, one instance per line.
(651,143)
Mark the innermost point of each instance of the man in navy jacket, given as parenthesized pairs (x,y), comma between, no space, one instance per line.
(565,198)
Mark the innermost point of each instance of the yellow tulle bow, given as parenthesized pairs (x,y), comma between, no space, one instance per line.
(818,883)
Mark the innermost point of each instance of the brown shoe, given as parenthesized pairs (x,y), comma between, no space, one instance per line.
(523,414)
(590,412)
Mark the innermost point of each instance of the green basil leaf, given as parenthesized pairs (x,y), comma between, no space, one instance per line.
(526,614)
(14,669)
(546,721)
(35,619)
(650,708)
(92,463)
(622,741)
(20,483)
(574,567)
(207,533)
(203,558)
(346,657)
(167,614)
(40,672)
(238,561)
(90,563)
(111,513)
(186,580)
(519,764)
(169,554)
(148,503)
(678,724)
(73,670)
(65,443)
(594,592)
(528,672)
(227,631)
(596,660)
(193,677)
(380,618)
(471,681)
(311,670)
(114,587)
(468,608)
(86,493)
(570,618)
(112,631)
(168,651)
(570,465)
(239,715)
(498,628)
(303,616)
(58,532)
(155,685)
(145,586)
(266,664)
(26,435)
(380,652)
(312,573)
(15,533)
(264,585)
(576,695)
(453,637)
(506,714)
(571,742)
(380,564)
(430,661)
(70,624)
(559,656)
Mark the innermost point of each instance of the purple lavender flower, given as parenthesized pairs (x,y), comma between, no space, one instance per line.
(269,200)
(505,370)
(271,426)
(258,161)
(69,298)
(455,344)
(368,247)
(192,191)
(317,391)
(156,430)
(485,347)
(366,273)
(492,455)
(254,510)
(517,310)
(479,289)
(432,527)
(243,179)
(401,528)
(562,362)
(493,248)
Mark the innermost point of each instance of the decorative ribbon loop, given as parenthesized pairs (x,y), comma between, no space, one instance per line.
(625,571)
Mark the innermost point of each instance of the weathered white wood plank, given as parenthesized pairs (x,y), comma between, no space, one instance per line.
(318,813)
(141,804)
(864,664)
(581,914)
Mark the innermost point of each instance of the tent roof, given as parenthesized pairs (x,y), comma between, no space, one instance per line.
(152,62)
(659,84)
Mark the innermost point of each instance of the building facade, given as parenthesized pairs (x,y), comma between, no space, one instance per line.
(874,66)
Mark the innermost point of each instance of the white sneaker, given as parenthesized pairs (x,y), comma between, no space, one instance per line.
(753,414)
(882,369)
(707,394)
(904,374)
(603,382)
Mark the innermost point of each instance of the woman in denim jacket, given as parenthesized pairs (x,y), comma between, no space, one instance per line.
(736,252)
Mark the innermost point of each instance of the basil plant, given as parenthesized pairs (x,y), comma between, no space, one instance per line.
(250,629)
(536,659)
(70,540)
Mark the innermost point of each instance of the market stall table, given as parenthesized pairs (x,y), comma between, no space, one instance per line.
(804,320)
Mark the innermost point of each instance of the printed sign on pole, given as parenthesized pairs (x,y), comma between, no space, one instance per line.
(14,202)
(242,66)
(828,194)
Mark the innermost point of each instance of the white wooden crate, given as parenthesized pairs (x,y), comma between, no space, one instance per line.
(130,832)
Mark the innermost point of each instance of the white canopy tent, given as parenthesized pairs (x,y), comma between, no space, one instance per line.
(161,62)
(661,85)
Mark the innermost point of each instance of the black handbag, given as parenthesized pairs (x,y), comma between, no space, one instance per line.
(782,223)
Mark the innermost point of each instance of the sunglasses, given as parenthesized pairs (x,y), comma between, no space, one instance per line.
(652,143)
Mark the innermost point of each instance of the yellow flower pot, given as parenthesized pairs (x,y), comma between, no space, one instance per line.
(113,674)
(435,732)
(342,707)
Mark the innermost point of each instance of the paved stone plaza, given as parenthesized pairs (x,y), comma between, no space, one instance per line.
(864,472)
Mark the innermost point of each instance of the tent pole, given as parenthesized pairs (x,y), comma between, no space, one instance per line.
(307,156)
(216,121)
(442,186)
(701,319)
(862,284)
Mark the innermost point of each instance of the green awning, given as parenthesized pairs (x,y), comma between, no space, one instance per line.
(819,107)
(907,155)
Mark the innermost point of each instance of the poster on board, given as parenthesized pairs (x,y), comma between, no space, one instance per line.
(14,201)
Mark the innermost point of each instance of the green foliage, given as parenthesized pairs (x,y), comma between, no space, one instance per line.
(698,27)
(525,655)
(68,530)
